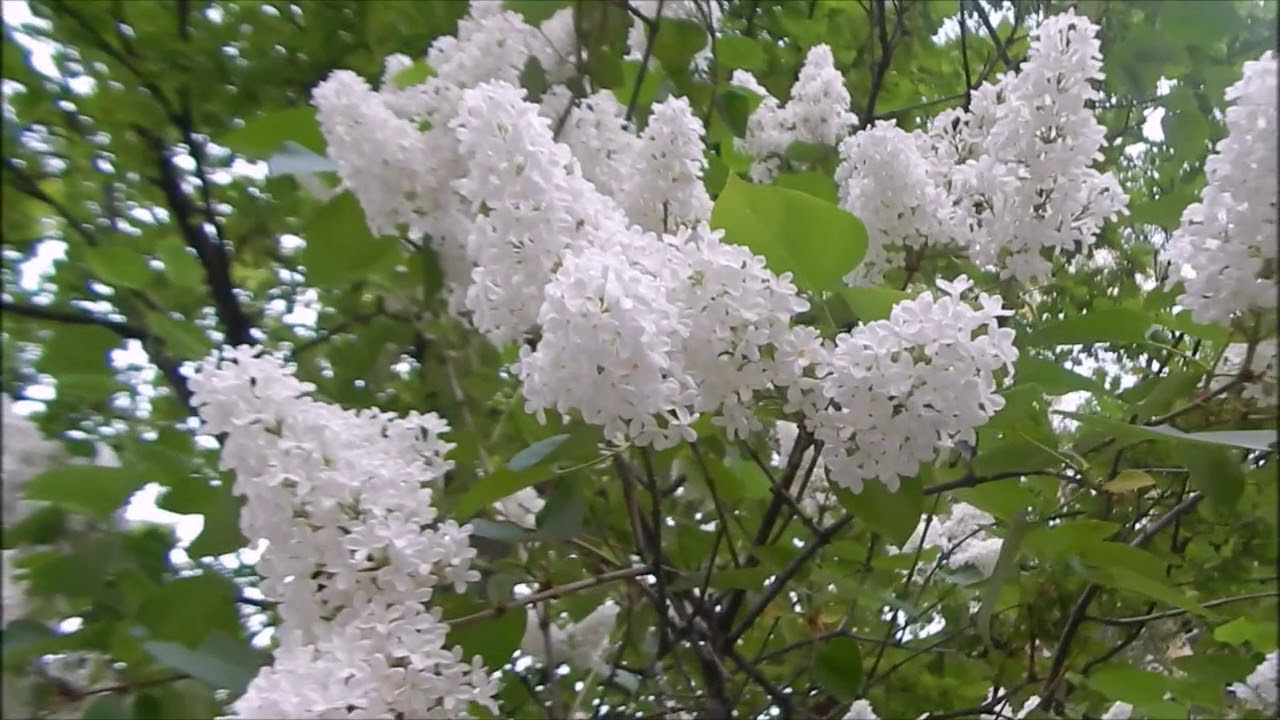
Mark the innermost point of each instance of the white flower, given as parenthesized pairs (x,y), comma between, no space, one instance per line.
(1118,711)
(582,644)
(890,180)
(354,550)
(521,507)
(861,710)
(1225,249)
(961,536)
(817,113)
(670,160)
(1260,388)
(1259,690)
(898,390)
(26,454)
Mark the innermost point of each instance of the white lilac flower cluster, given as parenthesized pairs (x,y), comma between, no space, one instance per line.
(24,454)
(816,113)
(1261,689)
(814,497)
(1261,386)
(861,710)
(355,548)
(961,534)
(1225,250)
(1118,711)
(581,644)
(895,391)
(1009,181)
(596,241)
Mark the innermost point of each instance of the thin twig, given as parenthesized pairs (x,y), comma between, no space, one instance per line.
(555,592)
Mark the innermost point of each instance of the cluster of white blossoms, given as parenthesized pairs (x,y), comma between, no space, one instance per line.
(1118,711)
(961,534)
(1225,250)
(581,644)
(1009,181)
(861,710)
(355,549)
(1260,387)
(895,391)
(1261,690)
(24,454)
(817,113)
(892,182)
(561,221)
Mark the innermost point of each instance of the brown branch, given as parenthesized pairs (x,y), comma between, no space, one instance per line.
(1142,619)
(169,367)
(1077,616)
(555,592)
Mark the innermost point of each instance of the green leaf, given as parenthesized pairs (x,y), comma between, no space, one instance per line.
(819,185)
(1006,567)
(1260,634)
(562,516)
(1124,579)
(1127,481)
(1054,378)
(812,154)
(534,11)
(838,667)
(294,159)
(415,74)
(89,489)
(181,267)
(736,51)
(492,488)
(78,350)
(1168,392)
(340,249)
(182,338)
(1216,669)
(1251,439)
(1119,681)
(535,453)
(168,610)
(1107,325)
(1215,473)
(20,633)
(1068,537)
(107,707)
(266,134)
(1003,499)
(893,514)
(874,303)
(676,42)
(493,639)
(119,265)
(220,661)
(500,530)
(736,105)
(221,510)
(44,526)
(814,240)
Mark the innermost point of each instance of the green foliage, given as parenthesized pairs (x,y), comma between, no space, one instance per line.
(815,241)
(228,258)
